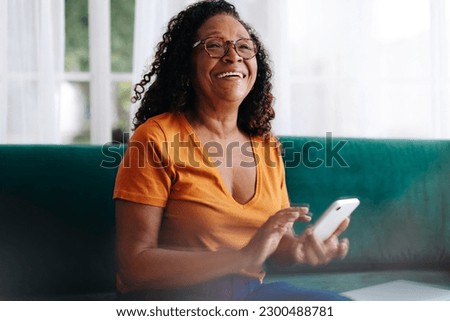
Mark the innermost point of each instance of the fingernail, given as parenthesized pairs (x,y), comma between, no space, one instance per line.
(304,209)
(300,205)
(294,216)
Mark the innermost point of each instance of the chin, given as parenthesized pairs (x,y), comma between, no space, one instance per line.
(237,96)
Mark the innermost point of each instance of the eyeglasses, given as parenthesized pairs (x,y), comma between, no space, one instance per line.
(218,47)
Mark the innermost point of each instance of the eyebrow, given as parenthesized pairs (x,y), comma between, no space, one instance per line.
(218,34)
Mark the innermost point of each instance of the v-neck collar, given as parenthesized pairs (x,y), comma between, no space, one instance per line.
(217,172)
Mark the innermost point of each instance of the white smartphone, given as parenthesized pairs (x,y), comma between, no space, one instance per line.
(330,220)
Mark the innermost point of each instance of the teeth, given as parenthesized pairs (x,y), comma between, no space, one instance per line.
(230,74)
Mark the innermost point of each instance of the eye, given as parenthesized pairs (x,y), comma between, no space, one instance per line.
(246,45)
(214,44)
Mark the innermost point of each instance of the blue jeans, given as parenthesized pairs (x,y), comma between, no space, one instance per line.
(237,288)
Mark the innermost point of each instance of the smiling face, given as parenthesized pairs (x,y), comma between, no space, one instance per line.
(222,80)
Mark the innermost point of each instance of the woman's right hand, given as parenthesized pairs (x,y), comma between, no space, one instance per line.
(267,238)
(143,265)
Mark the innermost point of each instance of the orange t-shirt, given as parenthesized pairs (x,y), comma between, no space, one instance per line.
(166,165)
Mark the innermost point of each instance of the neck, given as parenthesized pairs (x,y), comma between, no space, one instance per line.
(220,123)
(217,125)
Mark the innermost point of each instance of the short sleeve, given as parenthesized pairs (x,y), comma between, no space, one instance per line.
(276,167)
(284,192)
(282,173)
(145,173)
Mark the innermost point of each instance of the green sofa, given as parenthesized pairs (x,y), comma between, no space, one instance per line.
(57,215)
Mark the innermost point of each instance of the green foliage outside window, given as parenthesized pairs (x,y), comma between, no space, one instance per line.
(77,55)
(77,35)
(122,28)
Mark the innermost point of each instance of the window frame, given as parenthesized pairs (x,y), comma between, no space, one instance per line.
(100,76)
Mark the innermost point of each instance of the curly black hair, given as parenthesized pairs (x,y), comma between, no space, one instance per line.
(170,90)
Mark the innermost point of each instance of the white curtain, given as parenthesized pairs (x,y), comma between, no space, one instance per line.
(371,68)
(32,62)
(150,22)
(355,68)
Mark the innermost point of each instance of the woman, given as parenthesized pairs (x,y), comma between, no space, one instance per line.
(201,200)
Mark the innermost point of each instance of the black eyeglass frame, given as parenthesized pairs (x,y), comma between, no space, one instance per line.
(228,43)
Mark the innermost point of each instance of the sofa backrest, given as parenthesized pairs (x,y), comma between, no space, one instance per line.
(57,213)
(404,188)
(56,220)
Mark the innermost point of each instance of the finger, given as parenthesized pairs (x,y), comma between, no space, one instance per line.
(281,222)
(305,218)
(281,217)
(287,210)
(317,249)
(336,248)
(307,255)
(342,227)
(282,225)
(286,215)
(332,246)
(343,248)
(298,253)
(302,208)
(304,213)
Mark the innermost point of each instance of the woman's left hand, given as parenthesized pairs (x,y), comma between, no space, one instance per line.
(313,251)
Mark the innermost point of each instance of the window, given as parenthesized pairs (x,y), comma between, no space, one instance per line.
(373,68)
(368,68)
(98,70)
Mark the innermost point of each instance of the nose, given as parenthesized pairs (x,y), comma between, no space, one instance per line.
(231,54)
